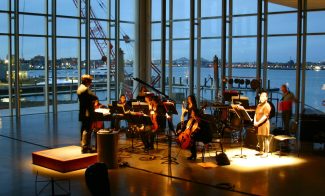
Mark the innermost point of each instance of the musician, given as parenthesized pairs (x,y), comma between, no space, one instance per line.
(187,110)
(286,103)
(86,110)
(191,105)
(197,131)
(142,93)
(148,132)
(115,122)
(262,123)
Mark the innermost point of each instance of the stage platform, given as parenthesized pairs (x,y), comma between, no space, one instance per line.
(64,159)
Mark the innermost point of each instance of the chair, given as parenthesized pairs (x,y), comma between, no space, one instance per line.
(281,139)
(215,128)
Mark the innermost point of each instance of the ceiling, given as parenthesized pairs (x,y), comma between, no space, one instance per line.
(311,4)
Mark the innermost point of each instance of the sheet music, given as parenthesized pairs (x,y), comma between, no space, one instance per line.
(241,112)
(104,111)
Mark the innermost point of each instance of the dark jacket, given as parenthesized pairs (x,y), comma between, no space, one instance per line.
(86,102)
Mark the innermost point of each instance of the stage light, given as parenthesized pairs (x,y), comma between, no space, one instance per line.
(236,81)
(241,81)
(230,81)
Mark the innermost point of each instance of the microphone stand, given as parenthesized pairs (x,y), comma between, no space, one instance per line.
(170,108)
(169,157)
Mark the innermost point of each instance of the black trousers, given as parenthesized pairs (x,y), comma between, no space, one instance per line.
(86,133)
(286,117)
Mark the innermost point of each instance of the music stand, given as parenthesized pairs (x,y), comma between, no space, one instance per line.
(118,109)
(243,116)
(136,117)
(140,107)
(170,110)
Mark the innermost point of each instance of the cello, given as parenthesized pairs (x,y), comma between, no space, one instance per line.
(185,137)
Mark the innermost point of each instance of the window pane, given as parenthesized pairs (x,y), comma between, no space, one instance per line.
(211,8)
(282,49)
(282,55)
(156,31)
(282,23)
(4,5)
(210,47)
(315,49)
(315,77)
(4,23)
(67,8)
(156,51)
(181,29)
(244,25)
(99,9)
(67,48)
(4,101)
(211,28)
(31,73)
(244,50)
(67,27)
(181,9)
(156,10)
(127,10)
(66,69)
(127,34)
(27,25)
(314,22)
(35,6)
(244,7)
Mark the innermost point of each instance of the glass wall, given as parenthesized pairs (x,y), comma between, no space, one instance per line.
(35,47)
(281,44)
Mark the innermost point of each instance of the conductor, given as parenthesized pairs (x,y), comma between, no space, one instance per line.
(86,109)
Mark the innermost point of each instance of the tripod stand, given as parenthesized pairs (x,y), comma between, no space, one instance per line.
(243,116)
(170,109)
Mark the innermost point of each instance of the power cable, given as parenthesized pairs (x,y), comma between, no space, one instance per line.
(223,185)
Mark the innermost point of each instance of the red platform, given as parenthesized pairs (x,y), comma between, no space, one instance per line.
(64,159)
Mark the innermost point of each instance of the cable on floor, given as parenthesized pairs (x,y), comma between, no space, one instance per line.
(223,185)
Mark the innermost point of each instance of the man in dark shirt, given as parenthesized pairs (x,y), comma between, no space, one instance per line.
(86,109)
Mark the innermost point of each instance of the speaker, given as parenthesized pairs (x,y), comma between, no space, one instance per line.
(251,138)
(222,159)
